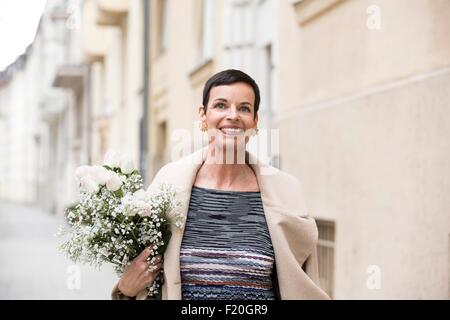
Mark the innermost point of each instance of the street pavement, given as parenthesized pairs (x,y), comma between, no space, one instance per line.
(31,267)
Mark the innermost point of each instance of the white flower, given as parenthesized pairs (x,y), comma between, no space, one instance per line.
(114,183)
(88,184)
(100,174)
(126,165)
(82,171)
(139,204)
(129,212)
(127,198)
(112,159)
(142,208)
(140,195)
(144,213)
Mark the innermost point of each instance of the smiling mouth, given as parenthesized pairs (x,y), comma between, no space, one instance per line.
(232,131)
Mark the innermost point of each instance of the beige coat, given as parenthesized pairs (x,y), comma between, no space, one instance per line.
(294,235)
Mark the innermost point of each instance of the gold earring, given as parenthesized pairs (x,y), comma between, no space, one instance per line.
(203,127)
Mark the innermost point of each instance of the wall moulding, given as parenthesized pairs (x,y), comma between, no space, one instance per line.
(309,10)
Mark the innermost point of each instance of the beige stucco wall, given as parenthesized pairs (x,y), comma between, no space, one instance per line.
(364,124)
(377,165)
(336,54)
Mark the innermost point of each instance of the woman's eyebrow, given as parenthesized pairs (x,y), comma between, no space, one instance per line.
(225,100)
(221,99)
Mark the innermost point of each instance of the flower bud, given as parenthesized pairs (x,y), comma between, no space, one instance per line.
(82,171)
(112,159)
(100,174)
(126,165)
(88,184)
(114,183)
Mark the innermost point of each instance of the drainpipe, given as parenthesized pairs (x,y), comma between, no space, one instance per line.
(144,132)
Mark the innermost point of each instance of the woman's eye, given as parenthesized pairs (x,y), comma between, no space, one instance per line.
(220,106)
(245,109)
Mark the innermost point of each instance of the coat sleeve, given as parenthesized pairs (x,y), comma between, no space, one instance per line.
(311,266)
(117,295)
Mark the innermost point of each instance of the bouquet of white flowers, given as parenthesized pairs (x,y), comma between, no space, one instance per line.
(115,219)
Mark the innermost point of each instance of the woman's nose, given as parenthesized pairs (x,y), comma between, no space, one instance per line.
(232,113)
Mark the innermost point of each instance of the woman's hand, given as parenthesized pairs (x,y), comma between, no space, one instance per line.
(137,276)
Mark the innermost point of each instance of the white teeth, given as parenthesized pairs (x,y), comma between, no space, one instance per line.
(233,131)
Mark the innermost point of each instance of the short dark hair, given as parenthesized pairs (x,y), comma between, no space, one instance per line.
(227,77)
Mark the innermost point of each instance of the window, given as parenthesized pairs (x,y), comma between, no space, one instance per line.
(162,25)
(161,143)
(207,30)
(204,29)
(239,34)
(325,251)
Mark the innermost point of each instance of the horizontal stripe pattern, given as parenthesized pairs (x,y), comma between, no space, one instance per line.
(226,251)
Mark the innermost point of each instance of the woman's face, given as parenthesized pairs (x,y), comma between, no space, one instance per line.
(230,115)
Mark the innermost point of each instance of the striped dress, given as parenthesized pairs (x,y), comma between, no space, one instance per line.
(226,251)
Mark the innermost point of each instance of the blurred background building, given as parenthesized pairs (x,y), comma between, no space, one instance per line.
(357,90)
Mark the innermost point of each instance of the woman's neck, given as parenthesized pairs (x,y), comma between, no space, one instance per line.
(215,173)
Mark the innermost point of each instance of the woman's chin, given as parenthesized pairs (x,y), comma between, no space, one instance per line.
(229,145)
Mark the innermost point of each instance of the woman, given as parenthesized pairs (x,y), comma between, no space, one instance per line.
(246,235)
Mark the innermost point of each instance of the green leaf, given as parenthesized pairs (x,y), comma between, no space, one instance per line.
(118,193)
(166,235)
